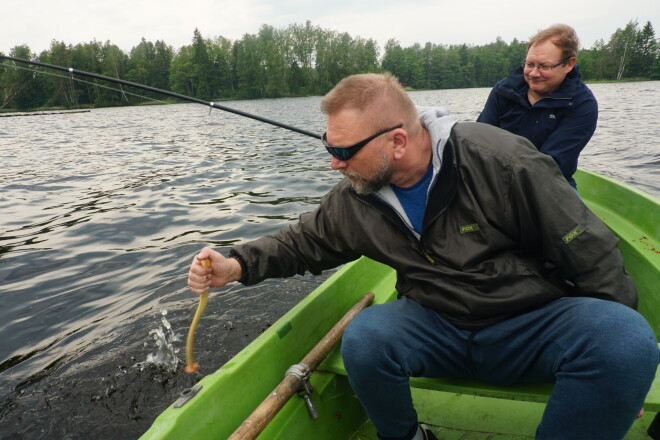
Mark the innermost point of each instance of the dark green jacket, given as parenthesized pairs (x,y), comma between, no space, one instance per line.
(502,233)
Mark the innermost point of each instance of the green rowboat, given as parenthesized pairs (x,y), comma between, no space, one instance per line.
(455,409)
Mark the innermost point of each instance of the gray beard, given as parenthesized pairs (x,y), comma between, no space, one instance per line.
(382,177)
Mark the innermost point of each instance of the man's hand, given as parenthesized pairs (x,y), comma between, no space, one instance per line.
(222,271)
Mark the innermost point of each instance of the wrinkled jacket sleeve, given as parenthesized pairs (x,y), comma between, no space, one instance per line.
(571,136)
(312,245)
(544,207)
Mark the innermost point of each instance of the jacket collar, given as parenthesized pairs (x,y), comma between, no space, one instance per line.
(441,191)
(445,186)
(438,122)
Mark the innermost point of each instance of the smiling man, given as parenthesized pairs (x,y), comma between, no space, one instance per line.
(545,100)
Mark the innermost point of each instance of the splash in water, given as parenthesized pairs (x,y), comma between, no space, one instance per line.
(166,352)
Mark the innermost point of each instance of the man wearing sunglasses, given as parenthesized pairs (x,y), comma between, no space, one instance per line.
(468,215)
(545,101)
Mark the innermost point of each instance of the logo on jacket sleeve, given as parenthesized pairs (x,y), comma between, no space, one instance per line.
(468,228)
(579,229)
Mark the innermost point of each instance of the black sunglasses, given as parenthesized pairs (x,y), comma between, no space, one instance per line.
(345,153)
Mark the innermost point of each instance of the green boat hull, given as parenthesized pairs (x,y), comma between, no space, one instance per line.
(228,396)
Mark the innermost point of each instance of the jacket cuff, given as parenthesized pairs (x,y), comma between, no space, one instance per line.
(241,262)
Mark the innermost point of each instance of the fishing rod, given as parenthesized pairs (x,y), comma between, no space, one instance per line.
(82,81)
(211,104)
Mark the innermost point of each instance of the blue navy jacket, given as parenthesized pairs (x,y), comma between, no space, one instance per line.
(559,125)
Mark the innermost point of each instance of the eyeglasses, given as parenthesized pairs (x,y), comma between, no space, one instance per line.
(542,67)
(345,153)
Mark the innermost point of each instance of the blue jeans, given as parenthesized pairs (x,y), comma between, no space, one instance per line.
(602,357)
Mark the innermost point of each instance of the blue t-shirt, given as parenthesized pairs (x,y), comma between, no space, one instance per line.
(413,199)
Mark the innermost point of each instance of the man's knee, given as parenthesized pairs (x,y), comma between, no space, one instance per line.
(635,348)
(620,340)
(367,337)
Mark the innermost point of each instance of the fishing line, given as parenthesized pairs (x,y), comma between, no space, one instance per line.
(211,104)
(85,82)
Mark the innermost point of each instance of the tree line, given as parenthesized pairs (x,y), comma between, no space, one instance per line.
(298,60)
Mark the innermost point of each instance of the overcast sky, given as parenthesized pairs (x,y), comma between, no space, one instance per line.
(476,22)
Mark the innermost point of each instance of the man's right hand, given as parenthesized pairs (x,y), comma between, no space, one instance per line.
(222,271)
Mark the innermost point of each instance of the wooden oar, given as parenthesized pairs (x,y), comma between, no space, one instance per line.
(191,365)
(266,411)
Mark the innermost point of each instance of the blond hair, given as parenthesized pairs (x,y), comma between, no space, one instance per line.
(562,36)
(380,96)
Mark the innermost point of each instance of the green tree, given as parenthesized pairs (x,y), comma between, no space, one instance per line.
(181,71)
(149,64)
(248,68)
(302,53)
(365,55)
(450,69)
(515,53)
(644,52)
(621,47)
(201,68)
(394,59)
(62,90)
(87,57)
(333,59)
(654,72)
(592,62)
(220,53)
(273,62)
(163,55)
(496,60)
(414,62)
(325,63)
(113,62)
(17,91)
(141,65)
(430,54)
(3,81)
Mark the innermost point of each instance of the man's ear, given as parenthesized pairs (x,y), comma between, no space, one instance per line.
(570,64)
(399,142)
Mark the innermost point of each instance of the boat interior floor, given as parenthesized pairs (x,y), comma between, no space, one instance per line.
(462,417)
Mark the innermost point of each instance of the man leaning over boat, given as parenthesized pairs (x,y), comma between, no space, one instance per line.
(503,274)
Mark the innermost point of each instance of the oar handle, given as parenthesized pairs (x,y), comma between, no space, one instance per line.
(191,365)
(323,347)
(266,411)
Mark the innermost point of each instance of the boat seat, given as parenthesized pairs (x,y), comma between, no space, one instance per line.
(528,392)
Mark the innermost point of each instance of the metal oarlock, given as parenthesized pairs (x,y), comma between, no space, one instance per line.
(296,379)
(187,395)
(302,372)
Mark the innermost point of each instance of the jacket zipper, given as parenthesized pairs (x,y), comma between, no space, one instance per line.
(425,253)
(394,216)
(396,219)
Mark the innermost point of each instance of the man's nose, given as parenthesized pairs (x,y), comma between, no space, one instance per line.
(535,71)
(337,164)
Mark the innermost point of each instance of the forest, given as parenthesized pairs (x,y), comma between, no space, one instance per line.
(299,60)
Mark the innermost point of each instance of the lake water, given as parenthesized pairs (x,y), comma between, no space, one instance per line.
(102,212)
